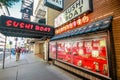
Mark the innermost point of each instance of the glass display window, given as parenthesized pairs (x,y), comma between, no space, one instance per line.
(68,47)
(95,44)
(81,49)
(88,53)
(93,55)
(103,49)
(95,47)
(52,50)
(103,42)
(74,48)
(68,52)
(60,50)
(88,48)
(64,51)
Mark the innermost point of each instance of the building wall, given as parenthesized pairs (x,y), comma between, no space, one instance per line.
(52,14)
(101,9)
(46,50)
(115,4)
(2,43)
(4,10)
(41,48)
(105,8)
(32,47)
(36,48)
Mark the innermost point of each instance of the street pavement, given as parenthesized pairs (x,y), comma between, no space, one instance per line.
(31,67)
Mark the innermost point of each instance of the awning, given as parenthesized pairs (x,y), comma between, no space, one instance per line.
(93,27)
(10,26)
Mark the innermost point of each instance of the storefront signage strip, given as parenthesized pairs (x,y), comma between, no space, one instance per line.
(78,8)
(72,25)
(28,26)
(14,24)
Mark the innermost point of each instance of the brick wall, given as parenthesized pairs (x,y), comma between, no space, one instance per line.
(102,9)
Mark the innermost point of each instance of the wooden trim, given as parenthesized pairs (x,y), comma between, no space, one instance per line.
(111,56)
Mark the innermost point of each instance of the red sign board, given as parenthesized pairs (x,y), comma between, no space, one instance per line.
(73,24)
(22,25)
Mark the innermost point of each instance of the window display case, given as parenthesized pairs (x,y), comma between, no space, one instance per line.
(92,55)
(88,49)
(64,51)
(86,53)
(52,50)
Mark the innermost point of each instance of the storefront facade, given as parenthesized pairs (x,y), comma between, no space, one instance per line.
(39,49)
(88,44)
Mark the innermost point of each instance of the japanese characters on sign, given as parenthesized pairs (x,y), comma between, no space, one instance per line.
(72,25)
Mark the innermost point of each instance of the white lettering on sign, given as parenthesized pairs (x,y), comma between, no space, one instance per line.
(58,3)
(74,10)
(78,8)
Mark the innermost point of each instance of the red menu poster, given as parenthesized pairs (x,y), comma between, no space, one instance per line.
(61,50)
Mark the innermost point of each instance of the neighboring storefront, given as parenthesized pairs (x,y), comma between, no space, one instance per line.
(86,40)
(2,43)
(10,26)
(39,49)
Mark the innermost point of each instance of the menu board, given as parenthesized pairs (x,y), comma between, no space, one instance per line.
(90,54)
(60,50)
(64,51)
(52,50)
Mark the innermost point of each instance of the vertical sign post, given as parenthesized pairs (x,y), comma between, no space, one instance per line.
(4,52)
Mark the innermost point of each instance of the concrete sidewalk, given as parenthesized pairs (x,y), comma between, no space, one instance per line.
(30,67)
